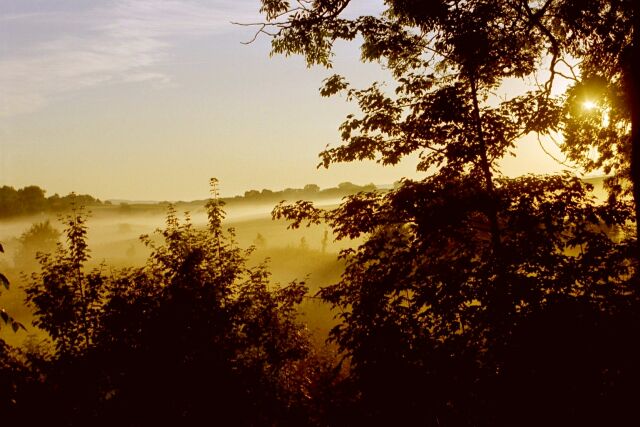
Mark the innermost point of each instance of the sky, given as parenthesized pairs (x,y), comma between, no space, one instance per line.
(148,99)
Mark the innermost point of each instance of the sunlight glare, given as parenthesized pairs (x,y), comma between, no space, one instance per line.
(589,105)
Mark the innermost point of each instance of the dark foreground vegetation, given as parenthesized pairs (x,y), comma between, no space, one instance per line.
(193,335)
(196,336)
(473,300)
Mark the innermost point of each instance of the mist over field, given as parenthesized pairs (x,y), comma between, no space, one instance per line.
(114,230)
(307,253)
(113,226)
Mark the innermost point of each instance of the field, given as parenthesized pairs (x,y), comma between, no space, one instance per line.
(308,254)
(114,231)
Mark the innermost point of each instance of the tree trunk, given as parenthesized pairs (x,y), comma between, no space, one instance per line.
(492,211)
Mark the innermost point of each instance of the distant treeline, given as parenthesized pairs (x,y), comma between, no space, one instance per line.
(32,200)
(309,191)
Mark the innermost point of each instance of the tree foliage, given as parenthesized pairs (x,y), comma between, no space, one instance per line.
(193,335)
(67,299)
(41,237)
(457,266)
(31,200)
(6,318)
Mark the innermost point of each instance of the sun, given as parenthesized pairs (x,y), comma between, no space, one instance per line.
(589,105)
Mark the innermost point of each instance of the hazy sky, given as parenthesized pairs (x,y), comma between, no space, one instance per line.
(148,99)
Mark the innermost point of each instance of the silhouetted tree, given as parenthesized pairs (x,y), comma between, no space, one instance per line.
(193,337)
(435,302)
(67,300)
(601,38)
(11,367)
(6,318)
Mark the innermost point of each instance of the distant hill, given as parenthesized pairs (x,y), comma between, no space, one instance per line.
(131,202)
(309,191)
(31,200)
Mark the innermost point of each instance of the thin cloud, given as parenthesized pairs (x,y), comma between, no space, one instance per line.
(118,43)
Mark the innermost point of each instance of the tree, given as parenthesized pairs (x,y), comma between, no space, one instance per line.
(32,199)
(311,188)
(6,318)
(454,264)
(195,336)
(41,237)
(27,200)
(67,299)
(601,119)
(260,241)
(251,194)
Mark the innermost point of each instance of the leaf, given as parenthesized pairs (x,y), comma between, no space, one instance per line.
(17,325)
(4,281)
